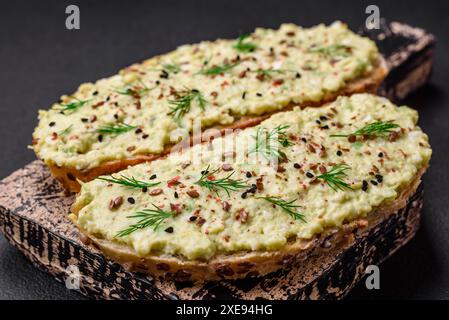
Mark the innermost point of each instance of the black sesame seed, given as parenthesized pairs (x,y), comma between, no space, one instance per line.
(304,140)
(169,230)
(374,183)
(381,154)
(138,130)
(244,95)
(144,189)
(145,136)
(323,118)
(203,172)
(84,119)
(248,174)
(51,124)
(318,121)
(244,194)
(309,175)
(153,177)
(100,138)
(297,166)
(252,189)
(379,178)
(164,74)
(116,116)
(95,93)
(364,185)
(158,82)
(193,218)
(258,94)
(298,75)
(131,200)
(325,127)
(339,153)
(176,195)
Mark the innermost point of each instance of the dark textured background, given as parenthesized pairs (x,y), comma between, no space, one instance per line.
(41,60)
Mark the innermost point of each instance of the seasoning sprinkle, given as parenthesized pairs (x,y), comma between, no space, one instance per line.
(131,200)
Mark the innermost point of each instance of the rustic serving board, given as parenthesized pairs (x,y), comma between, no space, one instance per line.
(33,217)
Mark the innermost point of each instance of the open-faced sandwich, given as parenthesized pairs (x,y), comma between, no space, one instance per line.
(139,114)
(248,203)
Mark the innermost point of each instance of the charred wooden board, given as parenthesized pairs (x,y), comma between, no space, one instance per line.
(33,217)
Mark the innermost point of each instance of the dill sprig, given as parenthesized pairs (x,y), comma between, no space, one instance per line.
(333,50)
(183,103)
(334,177)
(148,218)
(72,106)
(129,182)
(218,69)
(268,143)
(269,72)
(375,129)
(115,128)
(227,184)
(134,90)
(66,131)
(243,46)
(287,206)
(171,67)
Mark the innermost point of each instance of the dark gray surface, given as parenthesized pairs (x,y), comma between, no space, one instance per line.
(41,60)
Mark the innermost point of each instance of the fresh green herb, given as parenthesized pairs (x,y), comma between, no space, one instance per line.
(183,103)
(72,106)
(135,91)
(375,129)
(171,67)
(333,50)
(148,218)
(219,69)
(227,184)
(268,143)
(66,131)
(243,46)
(115,128)
(287,206)
(129,182)
(334,178)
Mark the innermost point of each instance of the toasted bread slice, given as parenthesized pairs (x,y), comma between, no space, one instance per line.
(70,177)
(230,244)
(238,266)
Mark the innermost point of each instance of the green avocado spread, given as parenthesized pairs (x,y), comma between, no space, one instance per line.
(156,103)
(291,177)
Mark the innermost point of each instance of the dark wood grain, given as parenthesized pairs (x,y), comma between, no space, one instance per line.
(408,52)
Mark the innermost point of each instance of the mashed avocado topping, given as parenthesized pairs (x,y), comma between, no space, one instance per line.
(156,103)
(294,175)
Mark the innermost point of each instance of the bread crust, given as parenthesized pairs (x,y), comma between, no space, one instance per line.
(70,177)
(249,264)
